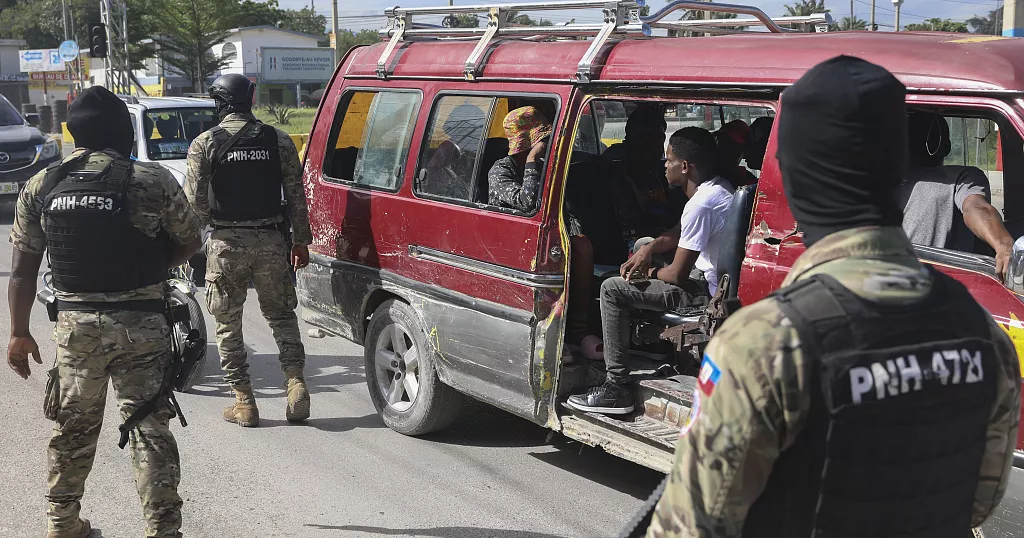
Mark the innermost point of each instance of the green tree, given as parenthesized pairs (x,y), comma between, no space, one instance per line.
(347,39)
(937,25)
(855,24)
(990,24)
(804,8)
(304,20)
(250,13)
(522,19)
(190,28)
(462,20)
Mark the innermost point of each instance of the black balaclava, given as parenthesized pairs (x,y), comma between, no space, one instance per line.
(843,147)
(98,120)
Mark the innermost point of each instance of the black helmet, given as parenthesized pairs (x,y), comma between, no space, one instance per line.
(234,89)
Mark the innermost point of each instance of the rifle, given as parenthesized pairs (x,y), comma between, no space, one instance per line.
(183,356)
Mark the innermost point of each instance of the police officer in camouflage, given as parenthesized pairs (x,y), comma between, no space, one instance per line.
(111,229)
(236,172)
(871,395)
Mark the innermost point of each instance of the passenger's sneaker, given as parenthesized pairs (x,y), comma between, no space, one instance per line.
(610,399)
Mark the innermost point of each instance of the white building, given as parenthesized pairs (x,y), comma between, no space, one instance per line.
(13,83)
(243,52)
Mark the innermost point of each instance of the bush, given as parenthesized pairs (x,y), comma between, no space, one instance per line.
(279,114)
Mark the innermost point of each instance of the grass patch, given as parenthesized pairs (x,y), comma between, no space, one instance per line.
(300,121)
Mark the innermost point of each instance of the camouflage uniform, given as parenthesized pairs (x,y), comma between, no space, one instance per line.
(234,256)
(763,394)
(132,349)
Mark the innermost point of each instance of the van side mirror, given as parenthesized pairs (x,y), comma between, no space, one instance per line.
(1015,269)
(33,119)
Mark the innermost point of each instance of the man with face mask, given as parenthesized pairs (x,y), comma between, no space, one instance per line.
(236,172)
(871,395)
(110,228)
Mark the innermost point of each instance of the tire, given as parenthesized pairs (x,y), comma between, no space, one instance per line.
(181,329)
(434,405)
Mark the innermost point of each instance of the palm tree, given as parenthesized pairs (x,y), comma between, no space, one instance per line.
(804,8)
(855,24)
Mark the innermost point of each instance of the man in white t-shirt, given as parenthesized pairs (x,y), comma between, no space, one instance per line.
(695,240)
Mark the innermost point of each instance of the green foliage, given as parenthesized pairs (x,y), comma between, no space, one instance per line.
(804,8)
(937,25)
(991,24)
(462,20)
(855,24)
(347,39)
(190,28)
(300,120)
(279,114)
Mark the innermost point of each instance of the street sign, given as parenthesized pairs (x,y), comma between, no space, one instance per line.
(68,51)
(35,60)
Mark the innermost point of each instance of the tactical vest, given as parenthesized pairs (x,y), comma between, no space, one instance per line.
(92,245)
(900,403)
(247,178)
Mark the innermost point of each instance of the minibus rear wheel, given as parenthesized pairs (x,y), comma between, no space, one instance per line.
(400,373)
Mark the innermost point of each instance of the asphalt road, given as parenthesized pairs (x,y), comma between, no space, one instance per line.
(342,474)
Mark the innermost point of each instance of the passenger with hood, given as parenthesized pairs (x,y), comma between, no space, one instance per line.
(948,206)
(236,172)
(870,395)
(111,228)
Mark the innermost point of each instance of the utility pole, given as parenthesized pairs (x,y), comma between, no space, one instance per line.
(897,3)
(873,16)
(334,28)
(64,17)
(850,26)
(114,15)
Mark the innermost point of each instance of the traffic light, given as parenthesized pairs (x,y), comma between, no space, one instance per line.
(97,40)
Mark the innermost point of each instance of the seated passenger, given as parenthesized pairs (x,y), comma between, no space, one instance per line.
(757,142)
(732,142)
(692,154)
(514,181)
(644,202)
(948,206)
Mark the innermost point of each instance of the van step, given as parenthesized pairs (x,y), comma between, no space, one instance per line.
(642,428)
(662,408)
(666,400)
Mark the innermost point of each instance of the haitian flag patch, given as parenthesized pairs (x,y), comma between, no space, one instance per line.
(708,377)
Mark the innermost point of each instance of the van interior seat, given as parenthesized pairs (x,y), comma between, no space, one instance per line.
(494,149)
(730,257)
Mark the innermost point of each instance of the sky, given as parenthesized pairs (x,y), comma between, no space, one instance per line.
(370,13)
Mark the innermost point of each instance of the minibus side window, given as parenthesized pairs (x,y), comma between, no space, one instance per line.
(370,138)
(455,138)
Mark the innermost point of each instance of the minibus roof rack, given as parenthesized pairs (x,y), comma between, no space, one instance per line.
(621,18)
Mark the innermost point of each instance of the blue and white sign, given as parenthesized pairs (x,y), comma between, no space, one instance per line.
(37,60)
(68,51)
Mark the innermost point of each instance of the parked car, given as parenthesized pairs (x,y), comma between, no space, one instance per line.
(452,297)
(168,125)
(24,150)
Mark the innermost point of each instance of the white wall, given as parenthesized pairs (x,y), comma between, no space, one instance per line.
(249,41)
(9,60)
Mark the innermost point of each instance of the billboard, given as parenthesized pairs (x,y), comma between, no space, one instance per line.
(296,64)
(37,60)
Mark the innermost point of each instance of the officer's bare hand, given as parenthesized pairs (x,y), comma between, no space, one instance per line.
(300,256)
(17,354)
(1002,262)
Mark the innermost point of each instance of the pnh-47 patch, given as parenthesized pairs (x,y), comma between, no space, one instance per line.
(708,377)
